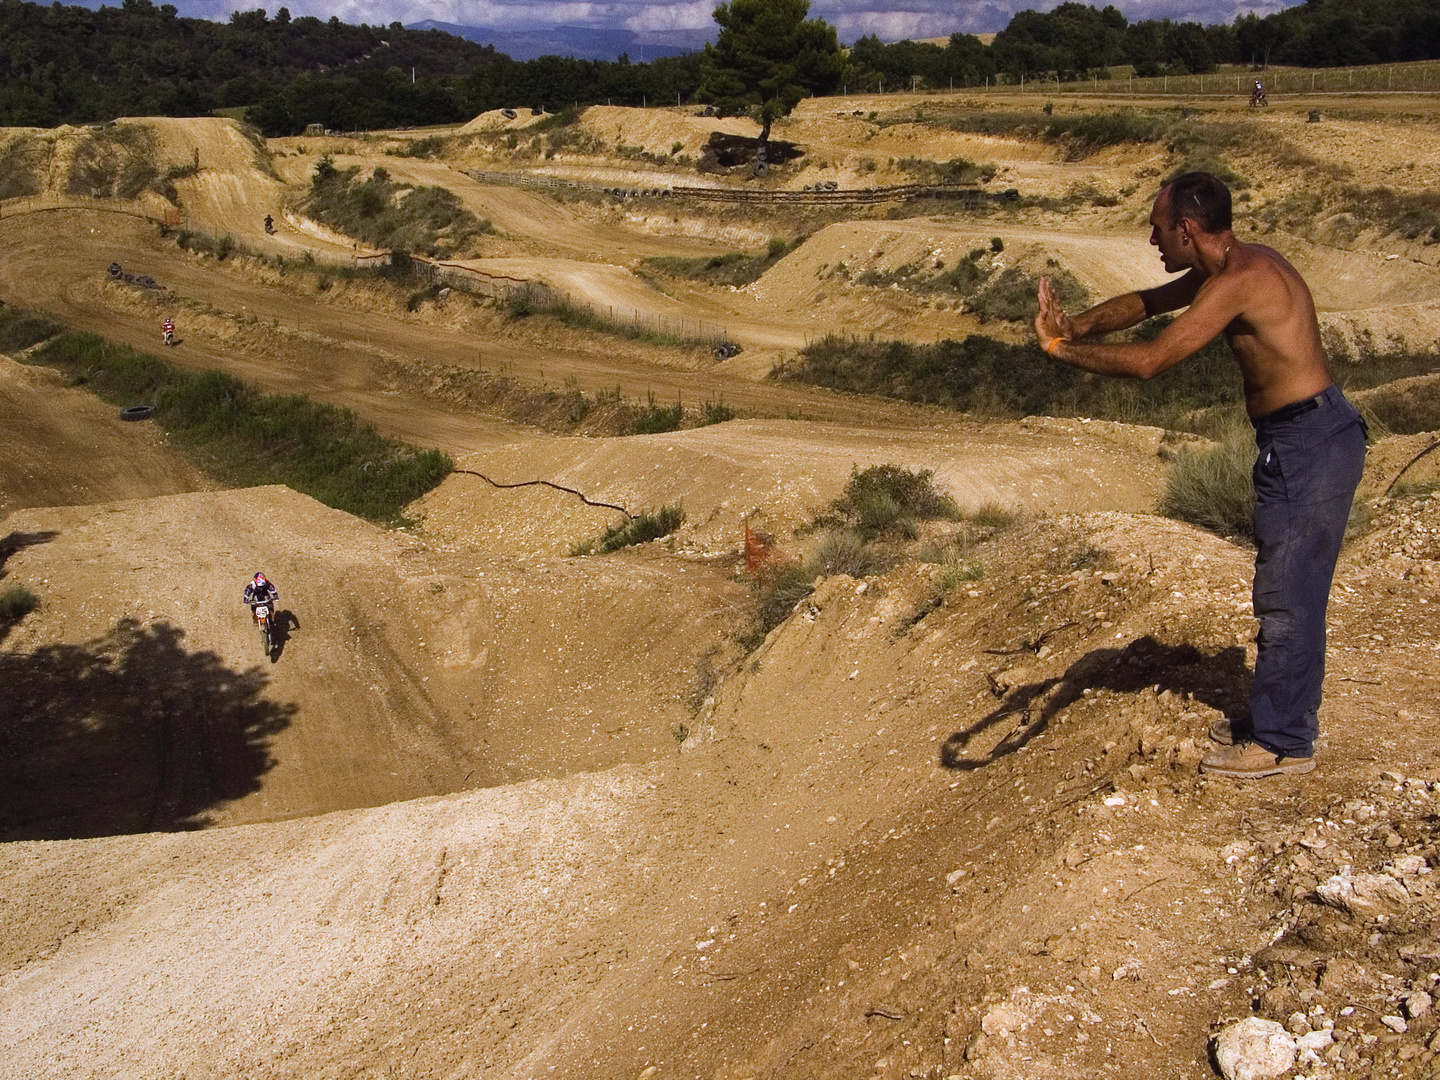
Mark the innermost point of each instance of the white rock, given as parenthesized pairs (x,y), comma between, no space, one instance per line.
(1395,1023)
(1314,1042)
(1418,1004)
(1364,894)
(1004,1019)
(1254,1048)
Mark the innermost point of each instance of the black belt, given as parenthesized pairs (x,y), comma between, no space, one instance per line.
(1291,411)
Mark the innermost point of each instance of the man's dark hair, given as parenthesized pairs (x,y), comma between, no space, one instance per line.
(1202,198)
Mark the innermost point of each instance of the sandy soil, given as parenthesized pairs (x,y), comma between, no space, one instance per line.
(493,811)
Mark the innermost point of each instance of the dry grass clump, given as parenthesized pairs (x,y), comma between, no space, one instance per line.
(1212,487)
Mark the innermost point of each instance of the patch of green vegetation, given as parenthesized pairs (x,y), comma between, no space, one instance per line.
(386,214)
(714,412)
(733,268)
(15,603)
(21,329)
(888,500)
(1012,295)
(20,167)
(654,419)
(954,171)
(539,300)
(1403,409)
(1085,133)
(117,161)
(1212,487)
(641,529)
(1413,215)
(428,147)
(247,438)
(992,378)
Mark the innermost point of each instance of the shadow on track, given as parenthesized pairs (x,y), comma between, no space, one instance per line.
(1221,681)
(128,733)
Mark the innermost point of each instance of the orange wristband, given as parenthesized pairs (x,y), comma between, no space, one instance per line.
(1049,346)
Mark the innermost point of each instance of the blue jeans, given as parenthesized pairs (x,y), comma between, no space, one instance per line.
(1309,464)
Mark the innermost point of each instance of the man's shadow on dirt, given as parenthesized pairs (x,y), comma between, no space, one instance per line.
(128,733)
(1221,680)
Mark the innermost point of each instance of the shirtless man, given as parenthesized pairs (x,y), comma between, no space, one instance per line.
(1311,443)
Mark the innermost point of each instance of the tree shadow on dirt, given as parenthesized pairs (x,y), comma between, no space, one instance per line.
(10,615)
(17,542)
(128,733)
(1221,681)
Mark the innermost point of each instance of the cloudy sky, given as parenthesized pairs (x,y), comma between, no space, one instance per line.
(890,19)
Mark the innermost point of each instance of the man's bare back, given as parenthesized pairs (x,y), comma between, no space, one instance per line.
(1248,292)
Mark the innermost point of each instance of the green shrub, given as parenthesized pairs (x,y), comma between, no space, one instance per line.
(654,419)
(642,528)
(992,378)
(732,268)
(21,329)
(1212,488)
(387,214)
(714,412)
(1013,295)
(15,603)
(247,438)
(890,499)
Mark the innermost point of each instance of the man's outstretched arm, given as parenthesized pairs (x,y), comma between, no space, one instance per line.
(1207,315)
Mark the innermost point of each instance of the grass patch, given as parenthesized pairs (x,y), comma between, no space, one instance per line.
(21,167)
(654,419)
(15,603)
(641,529)
(992,378)
(1414,216)
(247,438)
(539,300)
(387,214)
(714,412)
(888,500)
(1012,296)
(21,329)
(954,171)
(1212,487)
(428,147)
(735,268)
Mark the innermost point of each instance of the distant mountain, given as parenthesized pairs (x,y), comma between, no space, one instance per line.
(581,42)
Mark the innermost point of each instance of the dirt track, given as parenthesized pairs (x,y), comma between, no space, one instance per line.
(501,813)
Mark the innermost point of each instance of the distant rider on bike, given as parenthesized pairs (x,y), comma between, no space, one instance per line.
(168,329)
(260,591)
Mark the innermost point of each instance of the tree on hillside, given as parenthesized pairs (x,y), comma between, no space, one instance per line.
(768,58)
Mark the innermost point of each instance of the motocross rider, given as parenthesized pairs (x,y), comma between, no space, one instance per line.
(260,591)
(168,331)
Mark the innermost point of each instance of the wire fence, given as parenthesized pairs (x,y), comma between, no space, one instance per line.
(1420,76)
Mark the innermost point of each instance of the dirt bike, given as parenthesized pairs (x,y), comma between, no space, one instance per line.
(269,224)
(1258,99)
(263,612)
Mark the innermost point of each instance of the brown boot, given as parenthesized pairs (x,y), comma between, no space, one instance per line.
(1249,761)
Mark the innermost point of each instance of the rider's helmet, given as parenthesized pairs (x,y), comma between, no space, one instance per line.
(260,581)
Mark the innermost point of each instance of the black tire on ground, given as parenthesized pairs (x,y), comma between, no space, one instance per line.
(137,412)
